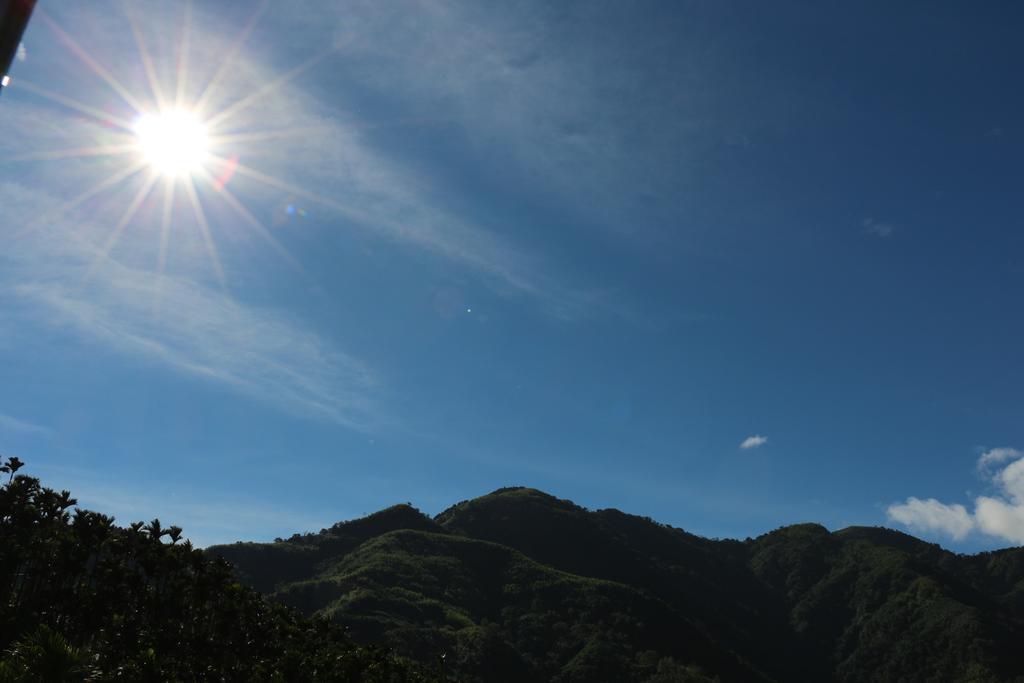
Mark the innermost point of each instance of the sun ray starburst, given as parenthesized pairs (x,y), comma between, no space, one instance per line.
(181,73)
(246,215)
(247,101)
(77,152)
(70,205)
(202,101)
(147,60)
(184,142)
(204,228)
(166,216)
(97,114)
(122,223)
(89,61)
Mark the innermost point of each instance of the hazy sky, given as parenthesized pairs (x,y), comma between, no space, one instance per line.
(731,265)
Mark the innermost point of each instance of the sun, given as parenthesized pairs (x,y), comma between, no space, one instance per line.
(185,133)
(174,142)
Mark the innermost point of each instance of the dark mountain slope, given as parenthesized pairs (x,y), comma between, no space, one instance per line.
(264,565)
(876,612)
(425,593)
(558,592)
(708,579)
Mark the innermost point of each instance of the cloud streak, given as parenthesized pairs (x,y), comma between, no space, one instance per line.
(9,423)
(189,328)
(388,193)
(542,105)
(178,323)
(1000,515)
(324,155)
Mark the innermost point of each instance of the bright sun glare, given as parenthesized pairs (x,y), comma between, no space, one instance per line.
(178,134)
(174,142)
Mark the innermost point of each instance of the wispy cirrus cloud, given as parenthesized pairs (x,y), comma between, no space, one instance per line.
(1000,515)
(9,423)
(320,154)
(193,329)
(176,321)
(316,150)
(544,104)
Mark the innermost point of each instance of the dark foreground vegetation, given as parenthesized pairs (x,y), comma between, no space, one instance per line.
(513,586)
(84,600)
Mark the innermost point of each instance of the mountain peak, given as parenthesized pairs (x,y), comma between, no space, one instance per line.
(400,516)
(605,586)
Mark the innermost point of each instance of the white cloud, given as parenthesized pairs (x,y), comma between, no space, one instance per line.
(1011,481)
(10,423)
(996,456)
(1000,515)
(998,518)
(932,516)
(753,442)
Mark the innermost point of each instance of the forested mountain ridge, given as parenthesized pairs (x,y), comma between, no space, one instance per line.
(513,586)
(519,585)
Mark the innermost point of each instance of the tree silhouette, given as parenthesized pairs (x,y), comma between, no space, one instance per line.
(82,599)
(12,465)
(155,530)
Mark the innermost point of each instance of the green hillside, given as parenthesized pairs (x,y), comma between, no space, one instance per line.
(513,586)
(518,585)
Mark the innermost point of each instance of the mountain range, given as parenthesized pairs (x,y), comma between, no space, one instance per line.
(519,585)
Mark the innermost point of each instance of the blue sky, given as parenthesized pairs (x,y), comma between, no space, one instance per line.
(594,248)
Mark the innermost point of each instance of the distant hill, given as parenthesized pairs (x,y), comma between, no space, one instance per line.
(519,585)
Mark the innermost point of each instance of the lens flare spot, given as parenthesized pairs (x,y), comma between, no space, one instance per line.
(175,143)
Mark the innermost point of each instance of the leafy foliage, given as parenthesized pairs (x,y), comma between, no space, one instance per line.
(82,599)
